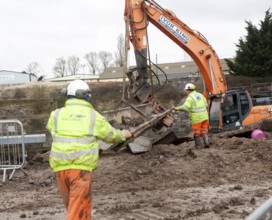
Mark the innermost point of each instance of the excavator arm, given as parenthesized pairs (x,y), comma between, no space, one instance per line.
(139,13)
(228,110)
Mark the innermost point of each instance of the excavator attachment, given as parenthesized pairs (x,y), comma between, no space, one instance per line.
(150,122)
(138,88)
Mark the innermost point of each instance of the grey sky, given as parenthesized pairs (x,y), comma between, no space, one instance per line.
(44,30)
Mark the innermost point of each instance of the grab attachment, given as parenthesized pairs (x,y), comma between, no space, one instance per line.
(137,131)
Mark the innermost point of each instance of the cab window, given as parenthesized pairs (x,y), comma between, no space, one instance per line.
(244,104)
(230,103)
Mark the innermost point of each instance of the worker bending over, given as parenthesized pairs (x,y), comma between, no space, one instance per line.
(196,105)
(75,131)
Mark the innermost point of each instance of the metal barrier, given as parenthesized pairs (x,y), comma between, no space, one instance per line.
(264,212)
(12,147)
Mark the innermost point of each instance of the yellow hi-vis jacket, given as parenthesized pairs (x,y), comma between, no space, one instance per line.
(75,131)
(196,105)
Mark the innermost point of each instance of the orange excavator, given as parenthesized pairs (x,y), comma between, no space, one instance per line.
(228,110)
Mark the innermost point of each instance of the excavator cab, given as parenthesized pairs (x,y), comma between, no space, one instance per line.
(235,108)
(227,112)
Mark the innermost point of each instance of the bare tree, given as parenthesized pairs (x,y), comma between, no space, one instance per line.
(34,69)
(120,53)
(60,68)
(73,64)
(92,61)
(105,58)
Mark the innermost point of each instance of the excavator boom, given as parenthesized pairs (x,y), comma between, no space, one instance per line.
(140,12)
(228,110)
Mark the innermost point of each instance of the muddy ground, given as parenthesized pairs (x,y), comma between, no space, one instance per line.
(226,181)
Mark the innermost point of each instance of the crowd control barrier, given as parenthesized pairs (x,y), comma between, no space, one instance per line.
(264,212)
(12,148)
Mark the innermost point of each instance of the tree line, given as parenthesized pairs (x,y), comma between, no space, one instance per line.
(253,55)
(94,62)
(254,52)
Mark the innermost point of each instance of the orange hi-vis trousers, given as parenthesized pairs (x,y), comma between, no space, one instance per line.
(200,128)
(76,190)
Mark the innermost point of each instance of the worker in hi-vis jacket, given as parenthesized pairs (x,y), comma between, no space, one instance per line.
(196,105)
(76,129)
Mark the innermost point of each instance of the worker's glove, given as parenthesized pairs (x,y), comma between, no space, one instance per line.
(126,133)
(179,108)
(174,109)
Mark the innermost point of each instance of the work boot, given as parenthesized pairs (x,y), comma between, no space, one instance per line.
(206,140)
(197,142)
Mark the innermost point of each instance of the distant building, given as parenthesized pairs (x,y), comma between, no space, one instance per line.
(112,74)
(84,77)
(10,78)
(178,70)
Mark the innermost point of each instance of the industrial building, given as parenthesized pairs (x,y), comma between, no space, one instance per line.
(10,78)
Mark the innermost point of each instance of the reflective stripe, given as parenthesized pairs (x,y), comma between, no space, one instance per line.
(119,135)
(192,100)
(185,107)
(91,128)
(109,134)
(69,140)
(198,109)
(56,119)
(93,118)
(75,155)
(79,104)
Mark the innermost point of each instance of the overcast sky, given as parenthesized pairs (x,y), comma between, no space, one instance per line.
(44,30)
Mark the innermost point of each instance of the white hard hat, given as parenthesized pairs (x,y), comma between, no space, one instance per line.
(78,88)
(189,86)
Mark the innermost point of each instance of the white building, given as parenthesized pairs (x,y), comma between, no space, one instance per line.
(9,78)
(84,77)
